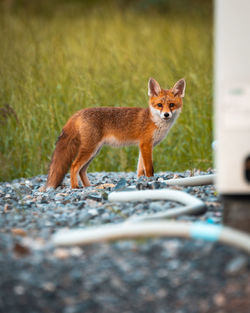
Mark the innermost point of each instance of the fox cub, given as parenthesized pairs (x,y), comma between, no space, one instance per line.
(89,129)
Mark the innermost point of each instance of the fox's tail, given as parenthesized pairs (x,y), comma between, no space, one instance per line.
(66,149)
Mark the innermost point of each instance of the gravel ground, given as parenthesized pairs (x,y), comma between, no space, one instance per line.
(151,275)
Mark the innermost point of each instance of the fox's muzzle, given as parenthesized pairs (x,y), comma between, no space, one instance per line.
(166,115)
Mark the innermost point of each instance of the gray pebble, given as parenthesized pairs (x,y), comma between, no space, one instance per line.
(236,265)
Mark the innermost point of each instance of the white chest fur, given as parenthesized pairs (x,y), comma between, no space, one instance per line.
(163,126)
(161,132)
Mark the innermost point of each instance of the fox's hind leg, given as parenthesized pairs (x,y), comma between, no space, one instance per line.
(83,174)
(83,171)
(79,166)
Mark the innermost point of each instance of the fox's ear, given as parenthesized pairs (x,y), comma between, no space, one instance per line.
(179,88)
(154,88)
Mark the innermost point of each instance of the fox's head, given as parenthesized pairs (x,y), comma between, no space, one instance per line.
(165,104)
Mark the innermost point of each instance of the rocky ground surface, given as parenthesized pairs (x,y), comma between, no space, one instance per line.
(151,275)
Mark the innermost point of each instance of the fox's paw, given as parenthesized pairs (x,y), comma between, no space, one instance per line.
(42,189)
(75,186)
(45,188)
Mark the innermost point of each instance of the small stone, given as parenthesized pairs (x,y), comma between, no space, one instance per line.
(157,185)
(61,253)
(93,212)
(49,286)
(155,206)
(219,299)
(18,232)
(19,290)
(28,197)
(121,184)
(105,195)
(105,186)
(161,293)
(6,208)
(236,265)
(106,217)
(21,250)
(142,185)
(176,176)
(84,216)
(58,197)
(76,251)
(24,189)
(95,197)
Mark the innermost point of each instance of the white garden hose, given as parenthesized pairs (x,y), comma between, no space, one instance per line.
(192,181)
(192,204)
(132,228)
(196,230)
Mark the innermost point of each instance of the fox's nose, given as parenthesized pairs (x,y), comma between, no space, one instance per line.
(166,114)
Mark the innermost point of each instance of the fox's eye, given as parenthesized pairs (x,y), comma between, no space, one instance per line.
(171,105)
(159,105)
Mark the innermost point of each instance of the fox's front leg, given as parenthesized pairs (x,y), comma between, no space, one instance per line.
(147,159)
(140,166)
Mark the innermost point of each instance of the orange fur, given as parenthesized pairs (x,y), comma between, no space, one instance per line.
(87,130)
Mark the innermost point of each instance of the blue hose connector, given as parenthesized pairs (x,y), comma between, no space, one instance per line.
(205,231)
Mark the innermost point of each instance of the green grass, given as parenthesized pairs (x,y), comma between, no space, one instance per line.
(52,66)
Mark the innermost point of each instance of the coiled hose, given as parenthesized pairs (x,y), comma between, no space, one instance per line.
(146,226)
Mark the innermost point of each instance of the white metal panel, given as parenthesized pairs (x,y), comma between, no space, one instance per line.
(232,94)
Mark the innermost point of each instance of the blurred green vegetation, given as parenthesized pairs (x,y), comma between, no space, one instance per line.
(58,57)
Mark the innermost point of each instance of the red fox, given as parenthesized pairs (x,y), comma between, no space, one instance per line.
(89,129)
